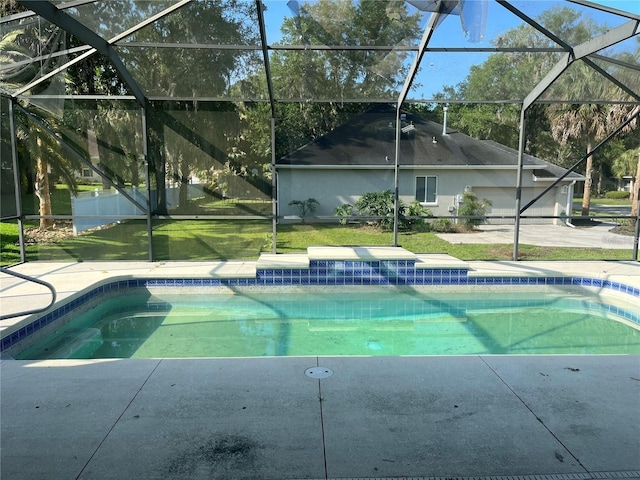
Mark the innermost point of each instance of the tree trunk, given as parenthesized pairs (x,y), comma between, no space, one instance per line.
(134,169)
(636,193)
(183,197)
(157,164)
(586,197)
(42,189)
(106,185)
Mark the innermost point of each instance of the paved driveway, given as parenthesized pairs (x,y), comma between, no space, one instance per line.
(598,236)
(605,209)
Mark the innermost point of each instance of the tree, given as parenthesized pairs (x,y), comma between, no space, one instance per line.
(621,112)
(558,132)
(306,75)
(635,198)
(335,74)
(586,123)
(625,164)
(589,123)
(184,138)
(35,145)
(511,76)
(474,209)
(305,206)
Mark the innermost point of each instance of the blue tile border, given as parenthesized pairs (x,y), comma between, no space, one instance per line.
(327,272)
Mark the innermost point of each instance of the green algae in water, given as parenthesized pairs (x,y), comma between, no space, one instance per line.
(387,323)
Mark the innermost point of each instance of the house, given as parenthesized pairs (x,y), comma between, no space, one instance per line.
(436,166)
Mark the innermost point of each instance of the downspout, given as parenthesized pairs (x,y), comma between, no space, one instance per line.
(569,208)
(396,181)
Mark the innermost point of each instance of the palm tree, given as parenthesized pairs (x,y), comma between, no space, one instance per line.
(13,53)
(624,164)
(33,142)
(586,123)
(621,112)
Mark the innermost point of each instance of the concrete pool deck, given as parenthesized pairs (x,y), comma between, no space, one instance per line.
(536,417)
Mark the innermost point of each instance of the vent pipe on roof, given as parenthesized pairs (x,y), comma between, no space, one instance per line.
(444,123)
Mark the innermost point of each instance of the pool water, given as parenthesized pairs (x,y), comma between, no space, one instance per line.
(381,323)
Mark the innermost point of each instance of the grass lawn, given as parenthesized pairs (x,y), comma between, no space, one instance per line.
(60,199)
(295,238)
(9,250)
(244,240)
(608,201)
(172,240)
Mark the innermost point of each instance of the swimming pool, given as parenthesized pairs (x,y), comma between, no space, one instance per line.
(370,271)
(375,322)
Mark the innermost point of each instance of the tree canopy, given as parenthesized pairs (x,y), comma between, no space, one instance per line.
(561,132)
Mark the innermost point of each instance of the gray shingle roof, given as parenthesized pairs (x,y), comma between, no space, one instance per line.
(368,140)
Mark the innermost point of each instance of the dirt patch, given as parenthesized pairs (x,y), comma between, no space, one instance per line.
(61,230)
(627,229)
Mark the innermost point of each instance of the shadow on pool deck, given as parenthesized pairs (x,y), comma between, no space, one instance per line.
(572,417)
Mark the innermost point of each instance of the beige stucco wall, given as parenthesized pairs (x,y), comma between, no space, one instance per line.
(498,186)
(329,187)
(333,188)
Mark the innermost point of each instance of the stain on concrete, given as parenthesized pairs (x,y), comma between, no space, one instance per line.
(223,457)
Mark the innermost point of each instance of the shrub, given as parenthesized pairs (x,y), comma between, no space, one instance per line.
(415,209)
(381,205)
(344,211)
(305,206)
(443,225)
(377,204)
(472,207)
(617,195)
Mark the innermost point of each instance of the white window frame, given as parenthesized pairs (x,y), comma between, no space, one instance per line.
(425,179)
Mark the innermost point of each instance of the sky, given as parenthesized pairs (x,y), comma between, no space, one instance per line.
(450,69)
(441,69)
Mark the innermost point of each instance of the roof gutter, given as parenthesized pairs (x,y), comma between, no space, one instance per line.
(287,166)
(569,208)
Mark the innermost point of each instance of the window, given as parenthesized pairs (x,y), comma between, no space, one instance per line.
(87,172)
(427,189)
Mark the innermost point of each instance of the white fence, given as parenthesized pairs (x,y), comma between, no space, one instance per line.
(103,203)
(94,209)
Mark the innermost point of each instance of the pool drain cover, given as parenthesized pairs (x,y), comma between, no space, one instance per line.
(318,372)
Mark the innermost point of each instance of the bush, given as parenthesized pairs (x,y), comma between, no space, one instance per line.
(305,206)
(617,195)
(472,207)
(381,205)
(377,204)
(443,225)
(415,209)
(344,211)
